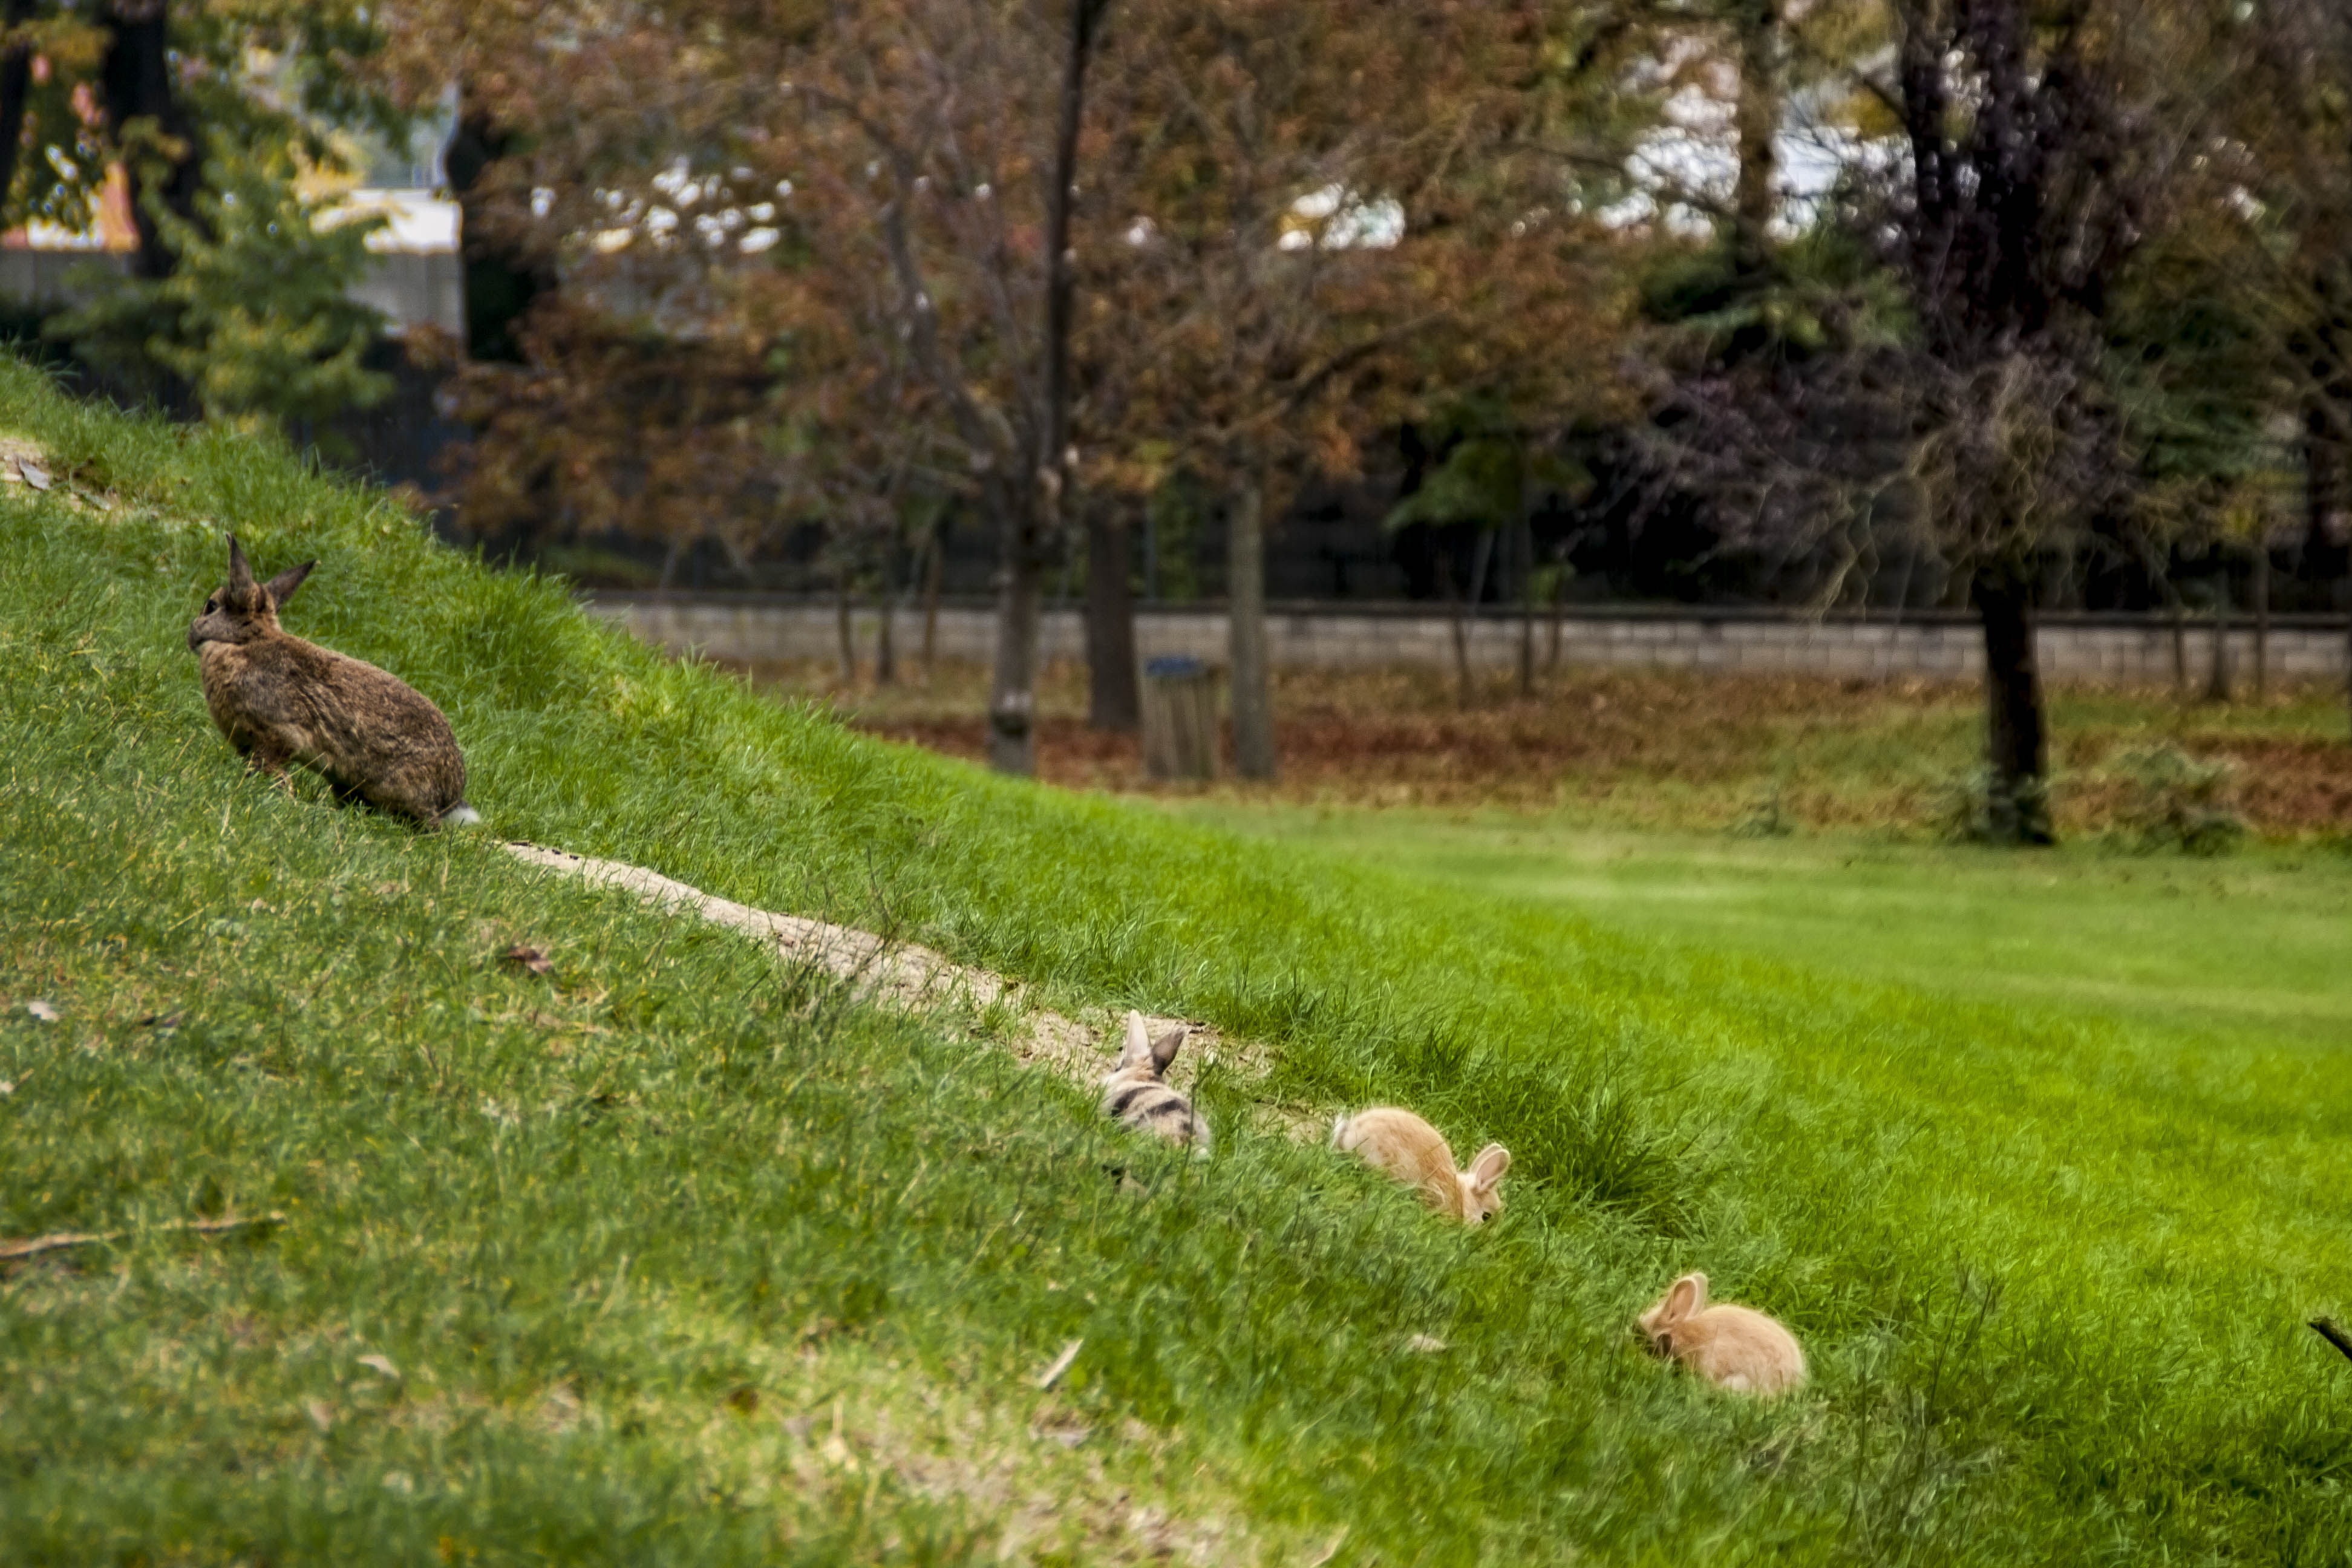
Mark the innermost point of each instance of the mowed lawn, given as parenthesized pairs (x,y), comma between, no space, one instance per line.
(681,1255)
(2254,947)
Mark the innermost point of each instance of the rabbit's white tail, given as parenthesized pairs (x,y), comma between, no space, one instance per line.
(460,815)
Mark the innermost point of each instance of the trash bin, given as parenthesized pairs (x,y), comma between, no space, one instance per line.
(1179,718)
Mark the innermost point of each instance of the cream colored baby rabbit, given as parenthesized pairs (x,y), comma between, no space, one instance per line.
(1415,1153)
(1737,1348)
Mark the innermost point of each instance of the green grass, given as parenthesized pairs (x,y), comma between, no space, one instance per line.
(2246,947)
(682,1256)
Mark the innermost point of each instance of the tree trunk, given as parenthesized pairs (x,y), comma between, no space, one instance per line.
(15,81)
(886,644)
(500,281)
(1559,610)
(1461,626)
(1020,609)
(1246,615)
(934,570)
(2262,620)
(2017,745)
(2343,602)
(1040,497)
(1523,540)
(2218,677)
(1482,556)
(1111,691)
(138,81)
(1759,118)
(2180,650)
(842,628)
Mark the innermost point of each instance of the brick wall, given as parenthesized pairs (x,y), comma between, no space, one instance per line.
(2072,647)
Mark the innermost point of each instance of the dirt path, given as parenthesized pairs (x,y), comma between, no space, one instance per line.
(914,979)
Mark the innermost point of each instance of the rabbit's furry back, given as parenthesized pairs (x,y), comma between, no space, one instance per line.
(1733,1347)
(281,700)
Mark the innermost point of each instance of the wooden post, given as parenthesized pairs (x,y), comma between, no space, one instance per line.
(1180,720)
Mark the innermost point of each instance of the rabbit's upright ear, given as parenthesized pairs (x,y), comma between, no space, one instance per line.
(1687,1297)
(1488,1167)
(1164,1048)
(1137,1053)
(240,575)
(282,586)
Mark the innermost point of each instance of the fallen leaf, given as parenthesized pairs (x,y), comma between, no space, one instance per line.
(47,1012)
(531,958)
(1426,1344)
(382,1364)
(7,1086)
(34,475)
(321,1415)
(1053,1374)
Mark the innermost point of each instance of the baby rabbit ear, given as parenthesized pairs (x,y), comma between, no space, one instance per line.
(1138,1049)
(1688,1296)
(240,575)
(1164,1048)
(282,586)
(1488,1167)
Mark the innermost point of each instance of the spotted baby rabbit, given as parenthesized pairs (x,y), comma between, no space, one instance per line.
(1136,1096)
(1415,1153)
(1737,1348)
(279,699)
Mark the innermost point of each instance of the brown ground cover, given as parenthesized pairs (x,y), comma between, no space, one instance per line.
(1666,749)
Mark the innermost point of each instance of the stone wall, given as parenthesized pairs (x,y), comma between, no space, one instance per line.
(2124,650)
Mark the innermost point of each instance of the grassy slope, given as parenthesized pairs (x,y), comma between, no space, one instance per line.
(689,1259)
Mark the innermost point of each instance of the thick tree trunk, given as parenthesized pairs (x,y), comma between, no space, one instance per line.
(1245,600)
(501,282)
(2016,738)
(1111,691)
(1759,118)
(136,77)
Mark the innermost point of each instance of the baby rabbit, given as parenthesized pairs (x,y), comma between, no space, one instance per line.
(1136,1096)
(1414,1152)
(1737,1348)
(281,700)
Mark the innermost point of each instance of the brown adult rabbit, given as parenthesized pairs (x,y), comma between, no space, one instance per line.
(279,699)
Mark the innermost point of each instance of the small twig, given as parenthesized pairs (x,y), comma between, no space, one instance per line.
(2334,1335)
(1053,1374)
(10,1251)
